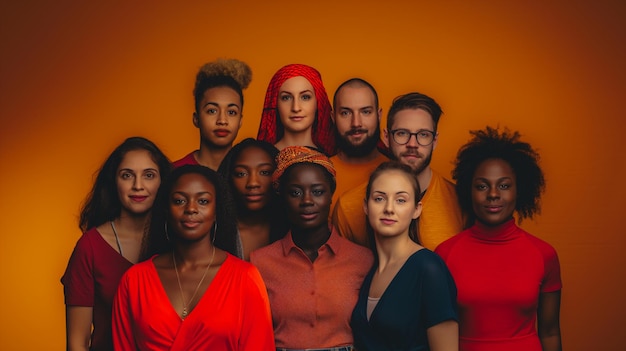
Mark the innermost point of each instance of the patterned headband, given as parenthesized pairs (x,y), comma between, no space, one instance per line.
(292,155)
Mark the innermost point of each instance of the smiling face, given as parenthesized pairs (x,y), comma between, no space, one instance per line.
(252,178)
(414,155)
(219,116)
(494,192)
(137,180)
(391,205)
(297,105)
(307,194)
(192,207)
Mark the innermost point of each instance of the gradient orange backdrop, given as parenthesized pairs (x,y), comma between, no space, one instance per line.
(77,78)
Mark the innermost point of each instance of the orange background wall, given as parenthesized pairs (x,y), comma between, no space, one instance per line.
(76,79)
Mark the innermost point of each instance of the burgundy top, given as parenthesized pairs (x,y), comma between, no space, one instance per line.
(91,278)
(187,160)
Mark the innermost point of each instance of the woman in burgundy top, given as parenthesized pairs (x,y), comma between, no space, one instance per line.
(113,219)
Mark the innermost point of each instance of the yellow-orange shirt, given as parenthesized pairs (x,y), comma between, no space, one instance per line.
(441,216)
(350,175)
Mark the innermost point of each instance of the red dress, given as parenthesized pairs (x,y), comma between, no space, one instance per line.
(90,280)
(499,273)
(233,313)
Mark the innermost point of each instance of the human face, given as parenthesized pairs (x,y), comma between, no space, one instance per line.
(137,180)
(297,104)
(357,120)
(219,117)
(307,196)
(192,207)
(414,155)
(494,192)
(391,205)
(252,178)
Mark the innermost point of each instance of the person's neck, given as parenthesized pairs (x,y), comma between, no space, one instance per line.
(254,219)
(358,160)
(303,138)
(311,239)
(393,250)
(194,253)
(133,224)
(424,177)
(211,157)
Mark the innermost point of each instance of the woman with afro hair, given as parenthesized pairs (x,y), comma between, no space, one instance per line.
(508,281)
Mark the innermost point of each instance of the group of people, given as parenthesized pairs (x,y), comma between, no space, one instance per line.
(323,233)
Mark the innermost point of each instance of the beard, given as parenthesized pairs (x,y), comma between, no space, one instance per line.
(361,150)
(417,165)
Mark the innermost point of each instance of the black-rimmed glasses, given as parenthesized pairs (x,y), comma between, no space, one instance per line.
(424,137)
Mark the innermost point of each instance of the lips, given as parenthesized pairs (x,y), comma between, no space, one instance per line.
(296,118)
(221,132)
(138,198)
(190,224)
(493,209)
(254,197)
(387,221)
(308,216)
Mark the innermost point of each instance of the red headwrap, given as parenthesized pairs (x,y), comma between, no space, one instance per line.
(323,128)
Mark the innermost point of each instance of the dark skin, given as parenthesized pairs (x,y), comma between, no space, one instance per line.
(307,193)
(191,218)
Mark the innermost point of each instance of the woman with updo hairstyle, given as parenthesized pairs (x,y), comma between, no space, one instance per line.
(193,293)
(218,97)
(248,169)
(312,274)
(508,281)
(113,219)
(408,299)
(297,111)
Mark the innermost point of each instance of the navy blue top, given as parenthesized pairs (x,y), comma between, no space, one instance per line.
(421,295)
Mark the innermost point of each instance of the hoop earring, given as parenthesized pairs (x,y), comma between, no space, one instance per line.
(167,237)
(214,231)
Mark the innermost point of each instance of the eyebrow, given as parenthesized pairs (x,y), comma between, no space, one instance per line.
(216,104)
(260,164)
(302,92)
(397,193)
(198,193)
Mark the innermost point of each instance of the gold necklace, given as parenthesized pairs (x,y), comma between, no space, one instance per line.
(182,296)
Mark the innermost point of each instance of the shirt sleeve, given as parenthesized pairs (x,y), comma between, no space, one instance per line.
(552,279)
(123,336)
(257,330)
(438,293)
(78,279)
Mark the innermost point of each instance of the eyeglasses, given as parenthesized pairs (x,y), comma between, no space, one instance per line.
(424,137)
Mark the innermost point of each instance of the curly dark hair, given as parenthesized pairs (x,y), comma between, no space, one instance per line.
(161,240)
(505,145)
(278,224)
(102,204)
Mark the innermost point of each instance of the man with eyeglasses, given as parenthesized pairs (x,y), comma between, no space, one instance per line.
(411,136)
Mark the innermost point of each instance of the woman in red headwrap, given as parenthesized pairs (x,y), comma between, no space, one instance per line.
(297,110)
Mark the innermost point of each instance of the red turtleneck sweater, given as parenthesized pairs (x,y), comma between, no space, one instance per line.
(499,273)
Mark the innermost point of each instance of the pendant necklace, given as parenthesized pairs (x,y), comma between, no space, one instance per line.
(185,312)
(117,238)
